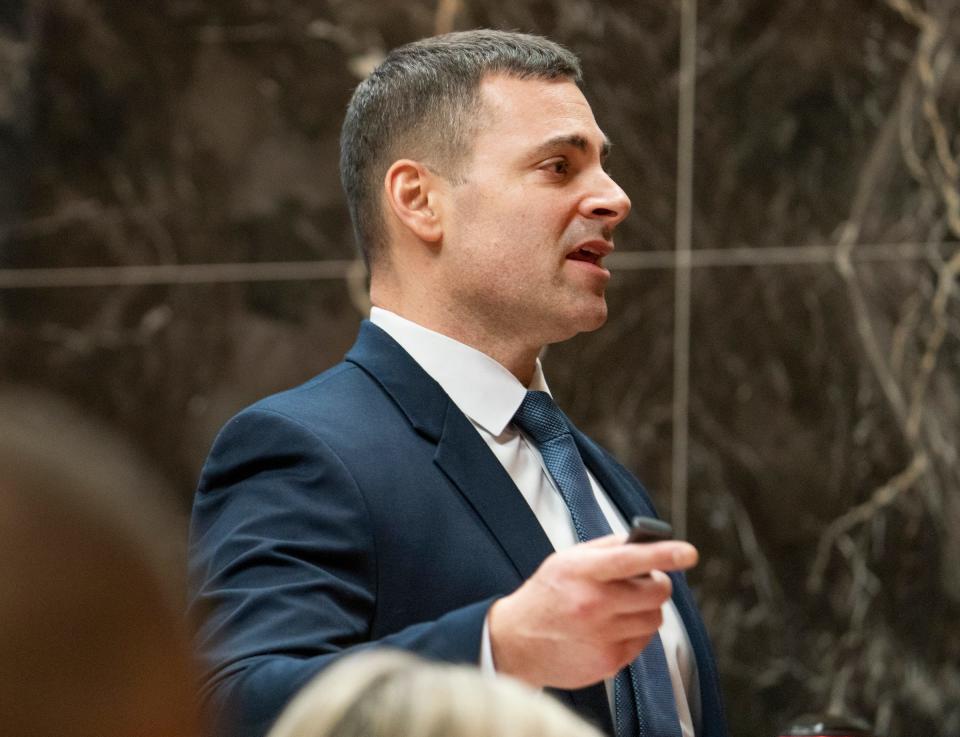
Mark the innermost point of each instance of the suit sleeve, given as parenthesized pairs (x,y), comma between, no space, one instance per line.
(284,572)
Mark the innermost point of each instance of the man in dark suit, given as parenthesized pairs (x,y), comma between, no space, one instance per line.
(426,493)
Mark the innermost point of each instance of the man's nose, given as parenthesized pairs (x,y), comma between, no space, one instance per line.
(607,201)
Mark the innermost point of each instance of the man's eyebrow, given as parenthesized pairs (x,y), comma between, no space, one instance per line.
(571,141)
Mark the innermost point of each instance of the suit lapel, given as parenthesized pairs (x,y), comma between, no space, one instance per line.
(461,453)
(417,395)
(467,461)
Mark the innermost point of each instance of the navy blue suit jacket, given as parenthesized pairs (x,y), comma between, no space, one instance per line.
(363,509)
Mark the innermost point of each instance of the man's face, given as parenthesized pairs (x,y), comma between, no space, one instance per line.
(533,215)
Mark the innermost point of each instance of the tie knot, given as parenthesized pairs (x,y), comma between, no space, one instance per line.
(540,417)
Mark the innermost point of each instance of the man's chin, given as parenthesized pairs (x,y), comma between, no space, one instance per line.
(585,319)
(593,314)
(597,321)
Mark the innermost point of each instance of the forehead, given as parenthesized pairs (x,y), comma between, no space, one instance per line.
(523,113)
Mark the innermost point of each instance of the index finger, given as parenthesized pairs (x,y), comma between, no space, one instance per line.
(637,559)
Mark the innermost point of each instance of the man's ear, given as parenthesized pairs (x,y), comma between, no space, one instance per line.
(412,191)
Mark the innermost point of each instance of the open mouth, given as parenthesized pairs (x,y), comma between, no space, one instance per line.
(585,254)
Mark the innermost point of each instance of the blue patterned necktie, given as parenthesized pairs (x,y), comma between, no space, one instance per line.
(643,695)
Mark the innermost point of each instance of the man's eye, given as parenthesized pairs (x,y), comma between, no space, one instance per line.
(559,167)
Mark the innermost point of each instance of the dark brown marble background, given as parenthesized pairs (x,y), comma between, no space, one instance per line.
(824,389)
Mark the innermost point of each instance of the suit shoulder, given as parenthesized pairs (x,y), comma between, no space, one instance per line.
(336,379)
(327,402)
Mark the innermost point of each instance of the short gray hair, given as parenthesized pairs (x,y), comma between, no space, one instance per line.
(422,102)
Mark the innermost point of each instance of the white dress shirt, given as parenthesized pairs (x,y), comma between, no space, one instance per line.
(489,395)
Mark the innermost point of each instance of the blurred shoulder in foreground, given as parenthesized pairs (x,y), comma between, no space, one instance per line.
(91,641)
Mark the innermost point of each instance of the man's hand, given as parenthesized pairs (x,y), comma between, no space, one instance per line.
(586,612)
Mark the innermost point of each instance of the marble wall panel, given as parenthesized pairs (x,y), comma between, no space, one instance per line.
(15,57)
(203,132)
(826,513)
(797,109)
(168,365)
(823,398)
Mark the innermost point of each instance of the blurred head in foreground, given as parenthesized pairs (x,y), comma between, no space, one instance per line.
(393,694)
(90,641)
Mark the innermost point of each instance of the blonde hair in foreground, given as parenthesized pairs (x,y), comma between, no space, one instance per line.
(394,694)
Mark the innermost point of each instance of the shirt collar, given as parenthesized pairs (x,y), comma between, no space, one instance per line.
(483,389)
